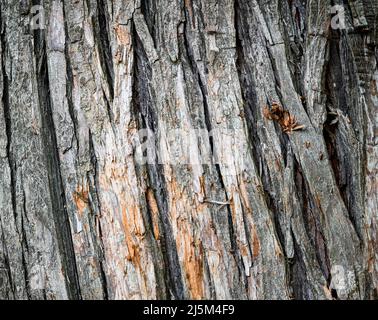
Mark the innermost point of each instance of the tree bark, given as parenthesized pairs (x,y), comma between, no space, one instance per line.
(256,212)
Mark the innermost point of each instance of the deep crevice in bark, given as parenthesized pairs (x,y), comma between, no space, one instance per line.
(69,100)
(56,188)
(103,44)
(93,188)
(338,148)
(8,131)
(7,118)
(148,9)
(299,282)
(143,103)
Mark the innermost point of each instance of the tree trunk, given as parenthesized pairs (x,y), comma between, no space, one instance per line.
(146,149)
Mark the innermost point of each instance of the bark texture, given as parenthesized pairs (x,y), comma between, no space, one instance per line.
(275,216)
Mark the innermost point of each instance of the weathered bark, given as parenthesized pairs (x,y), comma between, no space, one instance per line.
(263,214)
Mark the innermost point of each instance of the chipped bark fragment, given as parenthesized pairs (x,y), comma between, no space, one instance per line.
(287,122)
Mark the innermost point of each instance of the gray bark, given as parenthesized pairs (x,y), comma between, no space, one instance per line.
(271,215)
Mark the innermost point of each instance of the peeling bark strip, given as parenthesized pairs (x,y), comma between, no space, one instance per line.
(276,202)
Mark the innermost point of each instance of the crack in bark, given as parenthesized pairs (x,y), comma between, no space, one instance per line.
(142,101)
(69,83)
(94,192)
(8,132)
(8,121)
(58,202)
